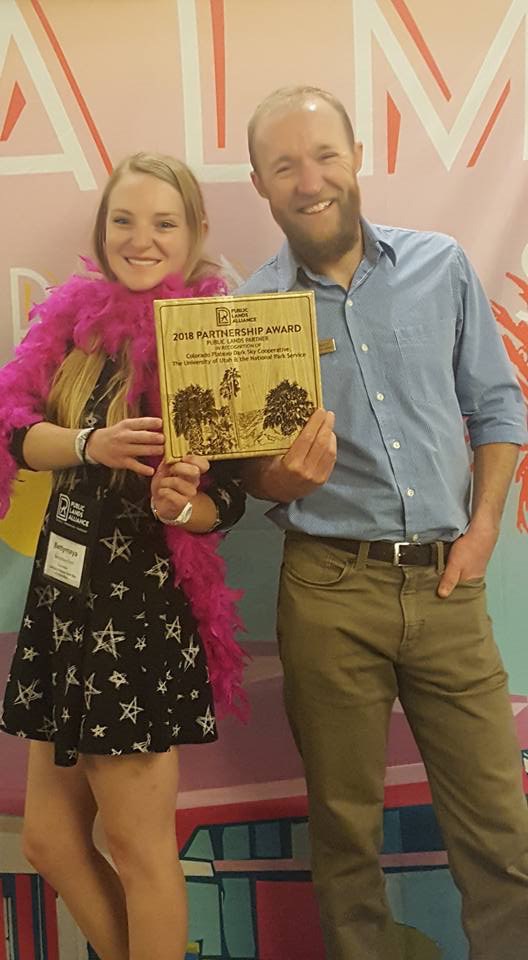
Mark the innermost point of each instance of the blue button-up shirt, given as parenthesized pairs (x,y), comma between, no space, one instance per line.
(417,351)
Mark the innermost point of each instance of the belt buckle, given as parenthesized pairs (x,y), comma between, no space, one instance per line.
(396,555)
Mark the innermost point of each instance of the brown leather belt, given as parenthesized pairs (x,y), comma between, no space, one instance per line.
(399,553)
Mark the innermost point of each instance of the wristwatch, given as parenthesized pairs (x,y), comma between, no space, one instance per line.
(218,519)
(79,445)
(183,517)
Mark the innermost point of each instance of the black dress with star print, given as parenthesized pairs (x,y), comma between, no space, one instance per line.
(122,670)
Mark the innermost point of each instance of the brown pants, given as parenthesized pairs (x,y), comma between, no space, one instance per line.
(354,634)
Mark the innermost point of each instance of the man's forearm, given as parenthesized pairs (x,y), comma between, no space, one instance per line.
(494,466)
(262,481)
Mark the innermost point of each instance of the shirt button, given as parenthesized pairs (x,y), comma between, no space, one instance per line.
(380,396)
(396,444)
(410,492)
(350,303)
(364,347)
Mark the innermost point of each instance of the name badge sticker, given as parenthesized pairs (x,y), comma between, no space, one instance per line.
(65,560)
(72,531)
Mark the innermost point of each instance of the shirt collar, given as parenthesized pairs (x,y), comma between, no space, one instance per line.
(288,265)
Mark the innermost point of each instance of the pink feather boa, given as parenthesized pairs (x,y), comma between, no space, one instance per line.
(81,310)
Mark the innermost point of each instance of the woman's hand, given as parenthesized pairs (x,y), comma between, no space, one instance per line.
(121,446)
(175,484)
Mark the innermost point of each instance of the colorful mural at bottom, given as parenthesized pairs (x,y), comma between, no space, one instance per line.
(249,884)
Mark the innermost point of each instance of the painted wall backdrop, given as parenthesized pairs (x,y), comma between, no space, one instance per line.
(438,94)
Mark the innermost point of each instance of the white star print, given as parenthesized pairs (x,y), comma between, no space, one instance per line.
(173,630)
(46,595)
(48,728)
(107,639)
(143,746)
(118,679)
(90,599)
(98,731)
(130,710)
(29,654)
(78,634)
(119,589)
(28,622)
(194,694)
(21,733)
(162,686)
(89,690)
(54,678)
(176,729)
(207,722)
(189,654)
(90,420)
(65,714)
(225,496)
(27,694)
(141,643)
(71,678)
(132,512)
(72,754)
(118,545)
(159,570)
(61,632)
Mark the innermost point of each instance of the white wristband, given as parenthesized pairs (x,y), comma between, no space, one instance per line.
(183,517)
(79,445)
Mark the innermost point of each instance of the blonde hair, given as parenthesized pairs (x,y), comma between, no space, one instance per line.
(291,98)
(78,374)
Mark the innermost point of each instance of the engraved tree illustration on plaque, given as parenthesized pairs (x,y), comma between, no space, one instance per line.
(229,389)
(288,407)
(193,410)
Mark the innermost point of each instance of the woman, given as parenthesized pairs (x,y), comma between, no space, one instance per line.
(128,624)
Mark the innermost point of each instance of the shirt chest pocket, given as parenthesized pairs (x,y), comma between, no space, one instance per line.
(425,361)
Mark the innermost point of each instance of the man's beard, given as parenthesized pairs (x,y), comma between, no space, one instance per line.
(316,252)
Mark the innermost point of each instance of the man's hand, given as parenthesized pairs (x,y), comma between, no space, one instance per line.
(494,465)
(468,558)
(306,466)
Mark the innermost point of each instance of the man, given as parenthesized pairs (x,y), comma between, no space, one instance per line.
(382,591)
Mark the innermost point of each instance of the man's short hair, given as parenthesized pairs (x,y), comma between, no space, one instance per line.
(290,98)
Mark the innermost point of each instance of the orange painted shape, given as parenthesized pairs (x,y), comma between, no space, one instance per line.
(393,133)
(523,286)
(490,124)
(410,23)
(83,107)
(17,103)
(218,25)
